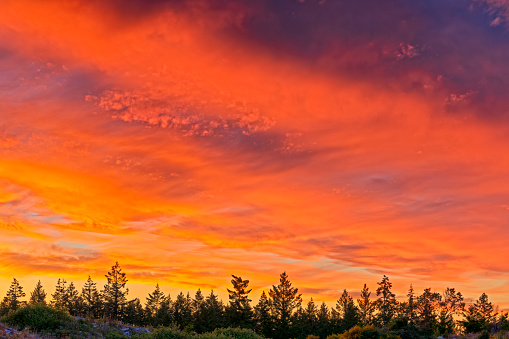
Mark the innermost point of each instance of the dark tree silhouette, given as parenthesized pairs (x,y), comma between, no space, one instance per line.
(366,306)
(12,301)
(239,312)
(38,295)
(347,311)
(386,302)
(285,299)
(59,298)
(92,303)
(153,304)
(263,316)
(114,292)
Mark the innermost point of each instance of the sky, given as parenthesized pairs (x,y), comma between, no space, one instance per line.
(336,140)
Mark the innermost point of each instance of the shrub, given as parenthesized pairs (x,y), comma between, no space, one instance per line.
(169,333)
(236,333)
(37,317)
(484,335)
(357,332)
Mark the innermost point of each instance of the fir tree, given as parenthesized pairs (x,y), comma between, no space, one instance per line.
(386,302)
(92,303)
(199,313)
(427,305)
(12,301)
(411,305)
(285,299)
(38,295)
(347,311)
(452,304)
(182,311)
(239,312)
(366,306)
(263,317)
(311,317)
(134,313)
(59,298)
(214,312)
(164,315)
(114,292)
(323,321)
(74,304)
(153,303)
(480,316)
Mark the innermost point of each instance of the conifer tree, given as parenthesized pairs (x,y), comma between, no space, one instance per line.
(74,304)
(427,305)
(153,303)
(164,315)
(182,311)
(134,313)
(285,299)
(12,301)
(59,298)
(92,303)
(347,311)
(239,312)
(452,304)
(411,305)
(38,295)
(263,317)
(480,316)
(214,312)
(366,306)
(386,302)
(199,312)
(114,292)
(323,321)
(311,317)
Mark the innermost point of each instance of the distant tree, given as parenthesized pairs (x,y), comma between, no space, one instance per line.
(452,304)
(74,303)
(347,311)
(114,292)
(427,304)
(153,303)
(480,316)
(182,311)
(214,312)
(59,298)
(366,306)
(263,317)
(298,324)
(12,301)
(164,315)
(410,310)
(323,321)
(285,299)
(239,312)
(134,313)
(38,295)
(92,303)
(386,302)
(311,317)
(199,312)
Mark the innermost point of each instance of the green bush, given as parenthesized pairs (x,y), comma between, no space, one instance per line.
(169,333)
(236,333)
(37,317)
(357,332)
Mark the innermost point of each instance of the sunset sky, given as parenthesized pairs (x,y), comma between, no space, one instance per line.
(335,140)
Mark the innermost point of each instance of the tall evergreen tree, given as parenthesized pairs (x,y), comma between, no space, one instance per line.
(59,298)
(74,303)
(323,321)
(38,295)
(366,306)
(114,292)
(263,317)
(285,299)
(452,304)
(239,312)
(164,315)
(427,306)
(311,317)
(153,303)
(386,302)
(199,312)
(12,301)
(182,311)
(92,303)
(480,316)
(134,313)
(347,311)
(214,312)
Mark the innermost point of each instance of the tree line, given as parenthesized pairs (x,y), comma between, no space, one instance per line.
(278,314)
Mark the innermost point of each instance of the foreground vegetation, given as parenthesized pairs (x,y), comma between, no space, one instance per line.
(278,314)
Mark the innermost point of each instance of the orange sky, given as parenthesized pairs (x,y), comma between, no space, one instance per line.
(195,140)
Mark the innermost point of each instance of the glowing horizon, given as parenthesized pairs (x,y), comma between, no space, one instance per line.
(194,140)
